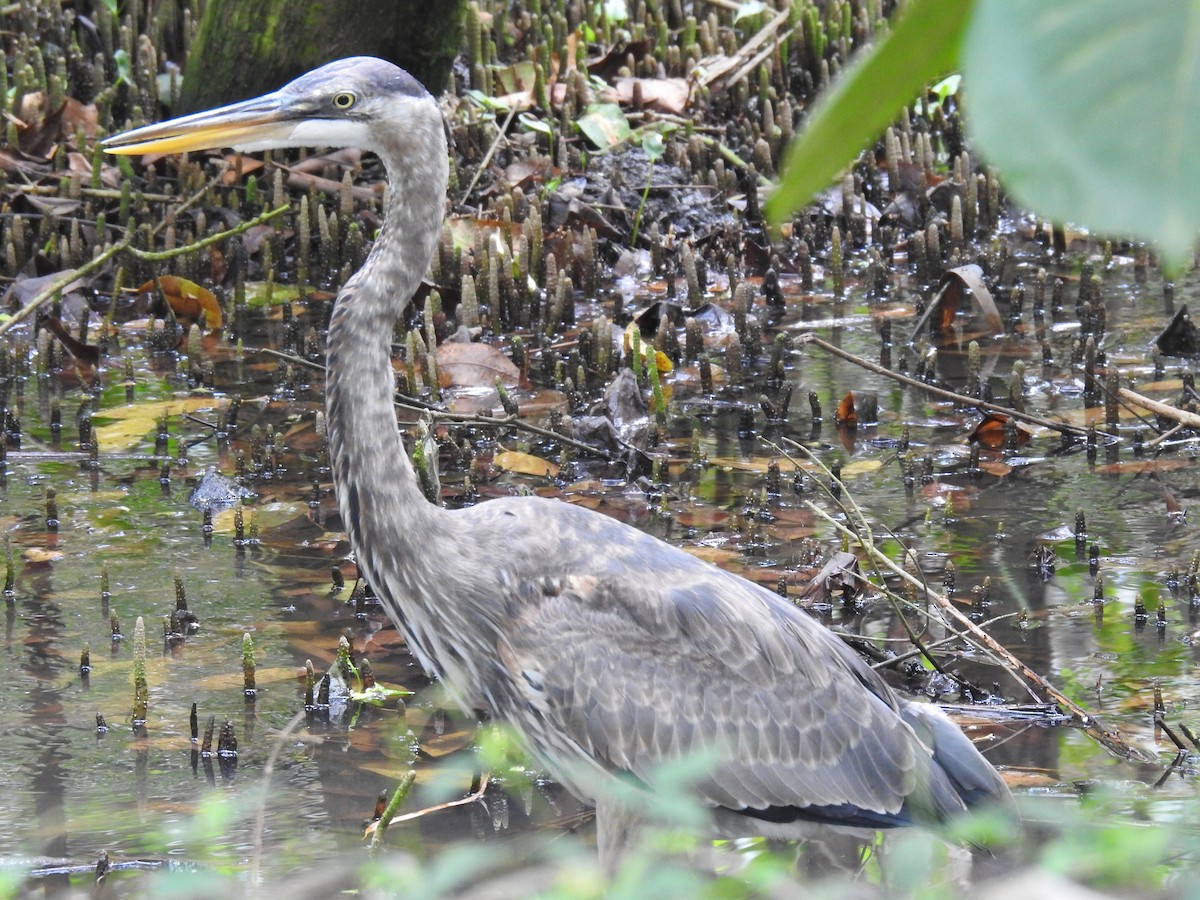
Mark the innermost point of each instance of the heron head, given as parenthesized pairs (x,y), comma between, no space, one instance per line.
(357,102)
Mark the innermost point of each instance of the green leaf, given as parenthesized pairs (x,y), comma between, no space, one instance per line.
(514,78)
(749,8)
(947,87)
(652,145)
(921,47)
(530,122)
(604,125)
(378,695)
(483,101)
(1090,110)
(616,10)
(124,67)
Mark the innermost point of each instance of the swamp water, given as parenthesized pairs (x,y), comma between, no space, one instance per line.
(152,802)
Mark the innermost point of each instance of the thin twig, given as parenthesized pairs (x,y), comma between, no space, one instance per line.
(415,404)
(65,278)
(716,68)
(50,190)
(301,180)
(963,399)
(1166,435)
(163,255)
(758,58)
(520,424)
(289,357)
(487,158)
(949,639)
(256,840)
(192,200)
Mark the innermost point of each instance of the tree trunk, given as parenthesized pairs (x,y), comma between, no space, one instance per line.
(248,47)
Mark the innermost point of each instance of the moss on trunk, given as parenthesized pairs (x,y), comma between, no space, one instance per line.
(248,47)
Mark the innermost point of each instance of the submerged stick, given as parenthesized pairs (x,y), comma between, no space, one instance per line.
(260,815)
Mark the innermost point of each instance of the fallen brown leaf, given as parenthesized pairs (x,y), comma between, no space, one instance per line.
(474,365)
(665,95)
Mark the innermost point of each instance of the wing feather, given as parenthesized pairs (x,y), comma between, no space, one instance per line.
(639,674)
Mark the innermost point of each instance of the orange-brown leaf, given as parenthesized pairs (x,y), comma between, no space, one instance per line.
(846,414)
(957,285)
(188,299)
(990,432)
(858,408)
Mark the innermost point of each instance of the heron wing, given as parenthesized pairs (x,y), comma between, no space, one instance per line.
(634,673)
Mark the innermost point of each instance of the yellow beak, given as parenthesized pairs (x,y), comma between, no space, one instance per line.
(263,122)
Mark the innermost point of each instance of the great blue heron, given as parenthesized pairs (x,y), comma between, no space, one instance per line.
(609,651)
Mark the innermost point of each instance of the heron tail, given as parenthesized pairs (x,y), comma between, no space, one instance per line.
(957,765)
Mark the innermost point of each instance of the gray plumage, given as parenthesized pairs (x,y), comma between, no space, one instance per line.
(609,651)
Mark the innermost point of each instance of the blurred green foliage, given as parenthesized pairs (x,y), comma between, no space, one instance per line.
(1087,108)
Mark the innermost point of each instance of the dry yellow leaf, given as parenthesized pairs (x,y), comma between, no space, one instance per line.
(719,556)
(41,555)
(127,425)
(661,360)
(266,516)
(758,464)
(860,467)
(787,466)
(525,464)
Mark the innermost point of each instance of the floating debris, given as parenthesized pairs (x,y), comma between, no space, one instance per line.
(216,491)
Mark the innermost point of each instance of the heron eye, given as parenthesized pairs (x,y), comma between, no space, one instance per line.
(344,100)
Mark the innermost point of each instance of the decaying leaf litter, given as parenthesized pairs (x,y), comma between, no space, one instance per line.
(666,380)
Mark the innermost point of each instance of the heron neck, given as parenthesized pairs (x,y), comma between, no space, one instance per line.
(383,508)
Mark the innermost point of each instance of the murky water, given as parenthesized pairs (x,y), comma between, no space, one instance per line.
(154,801)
